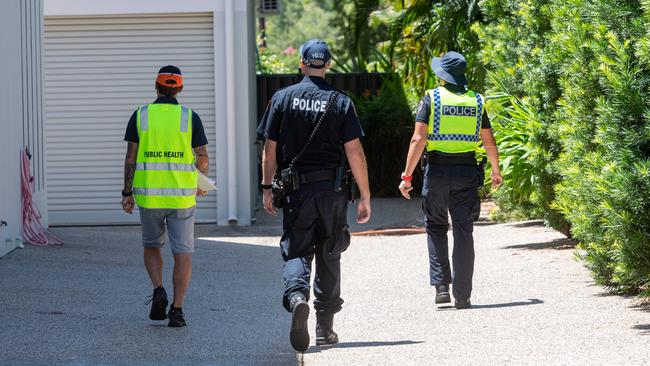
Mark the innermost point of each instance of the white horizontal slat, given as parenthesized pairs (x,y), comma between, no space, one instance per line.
(188,45)
(97,71)
(132,72)
(89,56)
(130,40)
(98,27)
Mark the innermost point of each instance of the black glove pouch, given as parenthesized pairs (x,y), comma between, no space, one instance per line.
(288,181)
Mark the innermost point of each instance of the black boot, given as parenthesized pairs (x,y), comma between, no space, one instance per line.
(325,333)
(463,304)
(299,334)
(442,294)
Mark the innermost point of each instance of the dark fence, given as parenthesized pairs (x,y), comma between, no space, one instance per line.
(357,84)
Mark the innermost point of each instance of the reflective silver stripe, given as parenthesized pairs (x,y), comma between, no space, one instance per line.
(144,119)
(180,167)
(177,192)
(185,117)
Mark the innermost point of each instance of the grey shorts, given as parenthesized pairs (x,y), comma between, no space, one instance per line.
(180,228)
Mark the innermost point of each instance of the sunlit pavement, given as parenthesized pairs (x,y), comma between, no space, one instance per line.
(533,303)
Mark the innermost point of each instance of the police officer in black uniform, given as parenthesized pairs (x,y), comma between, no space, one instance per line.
(314,215)
(451,123)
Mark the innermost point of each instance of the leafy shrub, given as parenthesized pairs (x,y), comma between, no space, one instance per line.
(387,121)
(606,157)
(511,122)
(577,126)
(514,40)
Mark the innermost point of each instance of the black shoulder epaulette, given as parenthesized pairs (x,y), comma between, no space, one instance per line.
(342,92)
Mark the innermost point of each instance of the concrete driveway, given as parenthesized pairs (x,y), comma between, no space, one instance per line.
(83,303)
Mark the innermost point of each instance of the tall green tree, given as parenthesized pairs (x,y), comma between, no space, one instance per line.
(343,24)
(422,29)
(358,38)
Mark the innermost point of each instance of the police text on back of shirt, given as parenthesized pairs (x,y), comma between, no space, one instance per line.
(308,105)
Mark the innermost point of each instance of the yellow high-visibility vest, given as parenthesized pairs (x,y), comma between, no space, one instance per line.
(166,173)
(454,121)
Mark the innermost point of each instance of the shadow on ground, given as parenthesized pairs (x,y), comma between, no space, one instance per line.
(643,329)
(525,224)
(508,304)
(497,306)
(558,244)
(362,345)
(83,303)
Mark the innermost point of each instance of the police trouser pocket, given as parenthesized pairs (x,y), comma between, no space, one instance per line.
(340,240)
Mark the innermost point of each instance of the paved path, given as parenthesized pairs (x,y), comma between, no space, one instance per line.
(82,304)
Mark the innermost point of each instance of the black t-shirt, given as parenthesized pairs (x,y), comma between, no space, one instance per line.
(292,115)
(198,133)
(424,108)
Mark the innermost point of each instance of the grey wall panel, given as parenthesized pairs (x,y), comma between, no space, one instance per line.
(21,122)
(98,69)
(31,70)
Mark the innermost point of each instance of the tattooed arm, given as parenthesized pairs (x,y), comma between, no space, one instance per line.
(202,161)
(129,165)
(128,203)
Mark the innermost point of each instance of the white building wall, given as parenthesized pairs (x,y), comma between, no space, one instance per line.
(21,123)
(234,78)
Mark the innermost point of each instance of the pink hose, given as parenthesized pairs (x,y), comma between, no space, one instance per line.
(33,230)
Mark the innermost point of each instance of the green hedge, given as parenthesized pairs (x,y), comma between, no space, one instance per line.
(577,127)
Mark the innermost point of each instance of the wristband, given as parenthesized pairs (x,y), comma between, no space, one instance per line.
(266,186)
(127,193)
(406,178)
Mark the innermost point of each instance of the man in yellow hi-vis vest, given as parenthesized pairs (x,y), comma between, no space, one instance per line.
(166,146)
(451,123)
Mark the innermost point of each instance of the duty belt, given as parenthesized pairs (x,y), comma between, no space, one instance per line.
(450,160)
(318,176)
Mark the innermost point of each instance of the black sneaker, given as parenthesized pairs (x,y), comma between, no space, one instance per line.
(325,334)
(463,304)
(176,317)
(299,334)
(158,303)
(442,294)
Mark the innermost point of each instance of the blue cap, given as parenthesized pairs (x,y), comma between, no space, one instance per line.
(315,53)
(450,68)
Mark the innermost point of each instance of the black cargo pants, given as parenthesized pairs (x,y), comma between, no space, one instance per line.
(451,189)
(315,226)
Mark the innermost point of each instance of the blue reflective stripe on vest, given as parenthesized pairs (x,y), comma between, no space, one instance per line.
(437,136)
(479,116)
(453,137)
(436,113)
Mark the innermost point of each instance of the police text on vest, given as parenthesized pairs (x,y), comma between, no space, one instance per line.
(454,110)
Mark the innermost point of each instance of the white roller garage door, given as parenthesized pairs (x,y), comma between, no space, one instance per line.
(97,70)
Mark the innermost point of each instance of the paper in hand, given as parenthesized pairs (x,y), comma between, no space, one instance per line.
(205,183)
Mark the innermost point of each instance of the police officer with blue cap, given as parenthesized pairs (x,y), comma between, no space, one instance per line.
(311,129)
(451,123)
